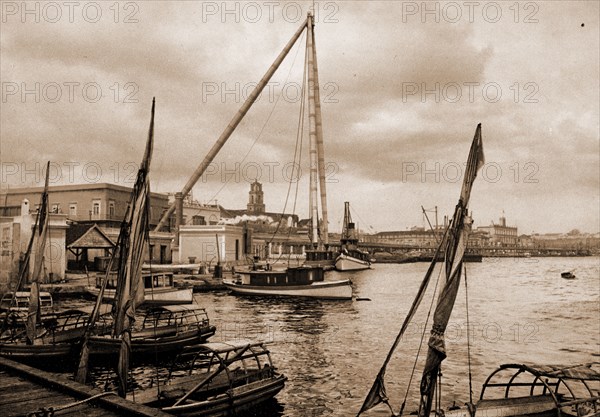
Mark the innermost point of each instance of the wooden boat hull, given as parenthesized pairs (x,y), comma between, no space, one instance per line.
(335,290)
(534,406)
(22,351)
(349,263)
(106,345)
(237,400)
(161,296)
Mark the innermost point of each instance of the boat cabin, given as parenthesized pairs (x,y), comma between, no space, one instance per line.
(302,275)
(152,280)
(224,376)
(543,390)
(173,319)
(71,324)
(315,255)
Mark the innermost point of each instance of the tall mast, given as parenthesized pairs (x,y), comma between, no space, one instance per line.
(312,122)
(320,149)
(233,124)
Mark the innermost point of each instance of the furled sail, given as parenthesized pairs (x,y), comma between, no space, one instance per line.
(455,249)
(133,238)
(41,229)
(455,246)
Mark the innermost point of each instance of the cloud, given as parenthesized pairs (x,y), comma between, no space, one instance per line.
(397,93)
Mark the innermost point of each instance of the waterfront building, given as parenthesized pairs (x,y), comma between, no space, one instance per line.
(501,234)
(208,243)
(86,205)
(196,213)
(15,234)
(417,237)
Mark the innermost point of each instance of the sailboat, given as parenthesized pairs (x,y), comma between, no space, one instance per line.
(307,280)
(164,329)
(519,389)
(351,258)
(44,335)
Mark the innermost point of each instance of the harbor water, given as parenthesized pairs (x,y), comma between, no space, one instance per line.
(520,311)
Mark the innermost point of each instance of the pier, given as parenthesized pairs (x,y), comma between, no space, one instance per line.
(27,391)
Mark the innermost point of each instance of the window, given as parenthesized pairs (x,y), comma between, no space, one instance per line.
(73,210)
(55,208)
(198,220)
(96,207)
(111,209)
(151,252)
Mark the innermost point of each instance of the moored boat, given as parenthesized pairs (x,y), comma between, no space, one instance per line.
(521,389)
(159,289)
(538,390)
(303,281)
(56,339)
(568,275)
(163,329)
(222,379)
(351,258)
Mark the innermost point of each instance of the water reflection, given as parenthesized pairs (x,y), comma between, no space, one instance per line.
(520,311)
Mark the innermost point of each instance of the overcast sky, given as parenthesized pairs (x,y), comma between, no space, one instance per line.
(403,87)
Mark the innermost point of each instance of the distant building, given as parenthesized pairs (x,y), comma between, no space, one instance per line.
(208,244)
(86,205)
(196,213)
(501,234)
(15,234)
(255,215)
(256,203)
(417,238)
(104,204)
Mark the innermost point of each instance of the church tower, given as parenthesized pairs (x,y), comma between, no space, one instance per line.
(255,202)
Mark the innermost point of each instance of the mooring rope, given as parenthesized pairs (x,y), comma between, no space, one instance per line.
(50,411)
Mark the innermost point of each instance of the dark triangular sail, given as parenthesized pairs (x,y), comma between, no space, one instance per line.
(377,394)
(41,229)
(133,237)
(129,293)
(455,249)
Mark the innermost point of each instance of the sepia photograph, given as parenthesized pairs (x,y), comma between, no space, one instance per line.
(300,208)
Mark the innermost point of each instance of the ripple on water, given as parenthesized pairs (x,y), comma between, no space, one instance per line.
(520,310)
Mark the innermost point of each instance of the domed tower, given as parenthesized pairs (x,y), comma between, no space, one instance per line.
(255,201)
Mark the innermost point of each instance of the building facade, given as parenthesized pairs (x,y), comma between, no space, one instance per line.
(87,204)
(15,234)
(209,244)
(500,234)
